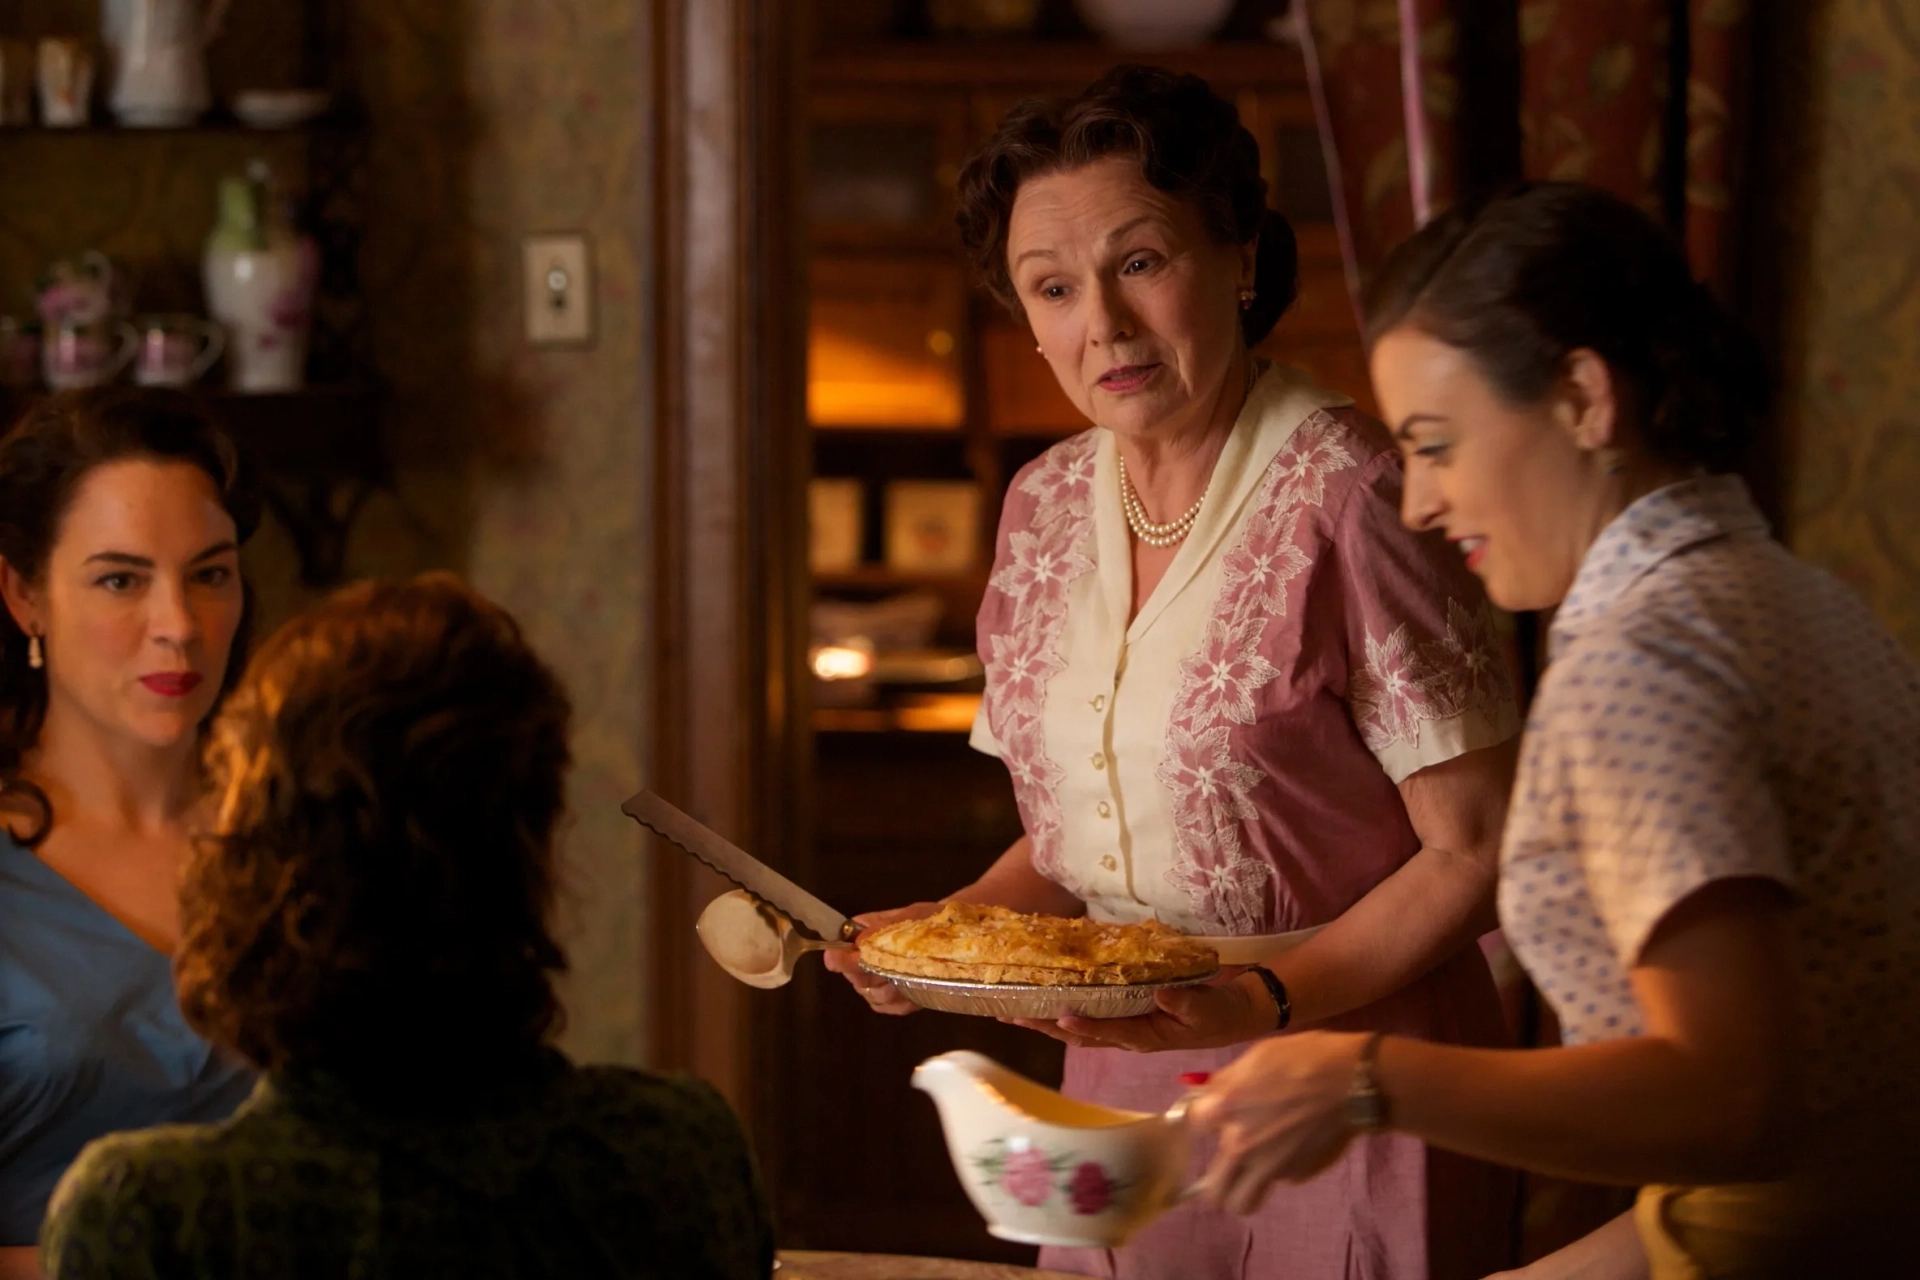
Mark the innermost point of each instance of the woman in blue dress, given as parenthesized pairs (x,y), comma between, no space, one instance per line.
(121,519)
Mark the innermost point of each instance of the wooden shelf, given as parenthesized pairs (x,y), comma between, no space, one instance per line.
(323,430)
(880,431)
(944,714)
(868,576)
(341,117)
(319,430)
(323,454)
(1035,431)
(974,64)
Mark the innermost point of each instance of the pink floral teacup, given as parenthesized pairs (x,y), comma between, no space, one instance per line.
(87,355)
(176,350)
(1043,1168)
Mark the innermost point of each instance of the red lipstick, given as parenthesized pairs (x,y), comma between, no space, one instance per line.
(1128,377)
(172,684)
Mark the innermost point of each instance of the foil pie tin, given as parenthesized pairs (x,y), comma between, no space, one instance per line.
(1020,1000)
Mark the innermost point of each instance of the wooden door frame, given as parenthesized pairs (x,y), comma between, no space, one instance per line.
(731,459)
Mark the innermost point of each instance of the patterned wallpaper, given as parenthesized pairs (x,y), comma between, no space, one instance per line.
(1853,325)
(526,470)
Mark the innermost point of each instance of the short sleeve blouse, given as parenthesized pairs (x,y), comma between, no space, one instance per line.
(1717,709)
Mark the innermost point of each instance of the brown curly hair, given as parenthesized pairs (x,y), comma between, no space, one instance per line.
(374,895)
(1189,142)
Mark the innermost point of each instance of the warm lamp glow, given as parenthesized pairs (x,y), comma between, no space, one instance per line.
(854,383)
(840,662)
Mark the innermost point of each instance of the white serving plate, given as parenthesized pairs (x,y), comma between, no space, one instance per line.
(1256,948)
(1021,1000)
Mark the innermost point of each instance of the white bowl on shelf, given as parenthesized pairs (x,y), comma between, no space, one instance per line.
(280,108)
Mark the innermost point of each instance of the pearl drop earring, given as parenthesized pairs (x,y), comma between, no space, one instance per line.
(35,658)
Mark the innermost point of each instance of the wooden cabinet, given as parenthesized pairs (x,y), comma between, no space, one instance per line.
(883,342)
(900,817)
(881,166)
(1019,393)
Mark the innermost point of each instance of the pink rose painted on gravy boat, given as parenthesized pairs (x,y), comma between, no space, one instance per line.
(1028,1177)
(1091,1190)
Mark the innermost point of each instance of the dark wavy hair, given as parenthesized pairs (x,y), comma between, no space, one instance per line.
(1189,142)
(374,896)
(43,461)
(1547,268)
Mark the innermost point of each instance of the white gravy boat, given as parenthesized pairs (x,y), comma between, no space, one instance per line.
(1043,1168)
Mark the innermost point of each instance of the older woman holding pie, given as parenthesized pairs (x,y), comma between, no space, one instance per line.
(1235,695)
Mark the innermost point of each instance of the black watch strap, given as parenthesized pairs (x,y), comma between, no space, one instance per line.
(1278,990)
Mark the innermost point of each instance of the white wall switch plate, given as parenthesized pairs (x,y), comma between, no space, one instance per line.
(559,290)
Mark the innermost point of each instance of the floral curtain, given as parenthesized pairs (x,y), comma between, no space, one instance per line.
(1382,75)
(1598,101)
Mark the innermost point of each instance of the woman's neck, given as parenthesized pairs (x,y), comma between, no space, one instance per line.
(1639,477)
(108,780)
(1170,470)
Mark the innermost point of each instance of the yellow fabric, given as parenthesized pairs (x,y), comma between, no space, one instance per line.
(1717,1233)
(1843,1214)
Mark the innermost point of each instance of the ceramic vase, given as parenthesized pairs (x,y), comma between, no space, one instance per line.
(260,277)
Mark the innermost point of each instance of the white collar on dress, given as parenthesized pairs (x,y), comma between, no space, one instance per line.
(1653,529)
(1281,399)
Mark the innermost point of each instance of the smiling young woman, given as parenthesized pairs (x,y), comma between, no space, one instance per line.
(1709,865)
(121,518)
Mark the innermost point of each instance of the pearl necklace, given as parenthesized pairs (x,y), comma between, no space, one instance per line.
(1173,531)
(1154,535)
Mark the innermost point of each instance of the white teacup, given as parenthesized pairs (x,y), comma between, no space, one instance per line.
(87,355)
(176,350)
(65,73)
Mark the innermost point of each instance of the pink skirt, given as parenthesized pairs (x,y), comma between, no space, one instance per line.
(1388,1209)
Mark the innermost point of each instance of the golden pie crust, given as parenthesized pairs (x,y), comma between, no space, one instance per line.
(968,943)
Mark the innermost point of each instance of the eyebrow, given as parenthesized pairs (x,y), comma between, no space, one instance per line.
(1109,238)
(142,562)
(1405,431)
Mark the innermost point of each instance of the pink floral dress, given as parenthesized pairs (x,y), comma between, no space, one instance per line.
(1227,762)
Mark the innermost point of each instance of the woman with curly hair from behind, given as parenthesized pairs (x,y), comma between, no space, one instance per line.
(368,922)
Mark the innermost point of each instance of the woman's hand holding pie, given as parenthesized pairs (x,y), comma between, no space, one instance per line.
(875,990)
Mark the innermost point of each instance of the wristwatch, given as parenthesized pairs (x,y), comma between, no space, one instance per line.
(1366,1105)
(1278,990)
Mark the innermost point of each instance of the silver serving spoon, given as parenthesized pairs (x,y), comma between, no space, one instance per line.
(754,942)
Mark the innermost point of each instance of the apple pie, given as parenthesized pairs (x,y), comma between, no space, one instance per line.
(968,943)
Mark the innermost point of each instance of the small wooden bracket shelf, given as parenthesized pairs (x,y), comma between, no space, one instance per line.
(322,459)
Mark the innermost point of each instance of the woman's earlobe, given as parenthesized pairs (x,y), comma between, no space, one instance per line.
(17,594)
